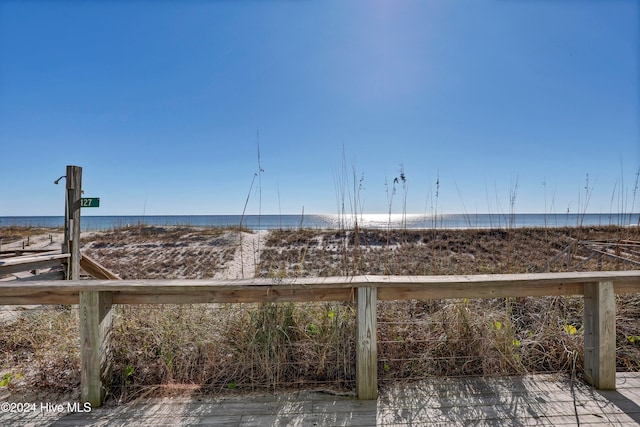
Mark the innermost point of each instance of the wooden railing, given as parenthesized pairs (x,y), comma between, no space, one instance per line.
(95,299)
(32,262)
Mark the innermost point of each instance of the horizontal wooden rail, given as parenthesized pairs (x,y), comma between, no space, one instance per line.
(26,263)
(19,252)
(316,288)
(95,298)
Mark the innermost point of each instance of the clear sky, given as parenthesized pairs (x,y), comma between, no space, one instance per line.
(527,105)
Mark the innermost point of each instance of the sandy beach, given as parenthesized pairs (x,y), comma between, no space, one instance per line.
(185,252)
(176,252)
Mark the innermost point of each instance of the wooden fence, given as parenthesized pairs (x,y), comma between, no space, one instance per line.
(96,297)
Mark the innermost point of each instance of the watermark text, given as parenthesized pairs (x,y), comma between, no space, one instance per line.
(44,407)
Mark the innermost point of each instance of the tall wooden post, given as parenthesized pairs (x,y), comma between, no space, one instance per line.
(95,346)
(367,344)
(600,335)
(71,244)
(94,306)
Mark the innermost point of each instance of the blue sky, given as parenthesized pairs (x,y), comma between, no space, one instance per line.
(161,104)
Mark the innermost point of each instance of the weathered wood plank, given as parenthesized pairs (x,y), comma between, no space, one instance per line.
(160,285)
(95,349)
(626,288)
(96,269)
(321,289)
(559,255)
(38,298)
(71,243)
(50,275)
(522,401)
(229,296)
(27,263)
(20,252)
(477,290)
(514,280)
(367,345)
(35,297)
(625,278)
(616,257)
(600,335)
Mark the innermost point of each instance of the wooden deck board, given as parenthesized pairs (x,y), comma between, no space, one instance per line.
(523,401)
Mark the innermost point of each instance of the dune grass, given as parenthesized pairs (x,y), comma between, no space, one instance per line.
(216,348)
(12,233)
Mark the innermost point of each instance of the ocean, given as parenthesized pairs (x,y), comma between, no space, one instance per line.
(334,221)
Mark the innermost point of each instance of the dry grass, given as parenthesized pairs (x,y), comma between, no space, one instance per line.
(148,252)
(478,337)
(13,233)
(462,337)
(233,347)
(40,350)
(427,252)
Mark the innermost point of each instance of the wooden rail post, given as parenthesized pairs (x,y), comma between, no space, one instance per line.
(367,344)
(71,243)
(95,345)
(600,335)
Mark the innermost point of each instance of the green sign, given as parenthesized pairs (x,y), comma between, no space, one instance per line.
(90,202)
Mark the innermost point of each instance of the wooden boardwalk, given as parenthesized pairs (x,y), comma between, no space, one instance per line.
(513,401)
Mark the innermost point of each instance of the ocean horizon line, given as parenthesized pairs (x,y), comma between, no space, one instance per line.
(298,214)
(338,221)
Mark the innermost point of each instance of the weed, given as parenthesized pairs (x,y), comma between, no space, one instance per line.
(244,347)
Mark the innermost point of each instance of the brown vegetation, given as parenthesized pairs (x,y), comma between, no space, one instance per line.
(234,347)
(439,252)
(12,233)
(148,252)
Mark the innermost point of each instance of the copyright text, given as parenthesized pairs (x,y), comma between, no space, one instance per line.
(44,407)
